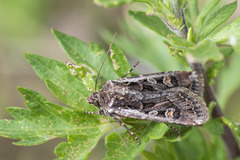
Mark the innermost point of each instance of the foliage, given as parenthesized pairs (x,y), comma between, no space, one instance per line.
(235,127)
(42,120)
(194,147)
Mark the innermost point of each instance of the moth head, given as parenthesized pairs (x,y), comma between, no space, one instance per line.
(93,99)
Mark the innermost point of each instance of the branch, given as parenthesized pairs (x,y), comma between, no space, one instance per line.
(228,137)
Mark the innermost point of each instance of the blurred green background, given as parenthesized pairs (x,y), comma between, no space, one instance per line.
(25,27)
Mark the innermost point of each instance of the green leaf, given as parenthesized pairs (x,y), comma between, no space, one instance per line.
(216,19)
(152,22)
(111,3)
(43,121)
(149,155)
(81,53)
(214,126)
(193,7)
(213,71)
(71,90)
(177,52)
(119,61)
(177,132)
(205,51)
(206,10)
(211,105)
(193,147)
(146,47)
(78,147)
(180,41)
(229,35)
(217,149)
(225,33)
(158,131)
(117,149)
(235,127)
(229,80)
(226,51)
(163,151)
(82,72)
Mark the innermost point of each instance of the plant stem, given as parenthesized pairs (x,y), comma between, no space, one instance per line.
(228,137)
(179,13)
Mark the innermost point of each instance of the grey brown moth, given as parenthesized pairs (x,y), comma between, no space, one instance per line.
(171,97)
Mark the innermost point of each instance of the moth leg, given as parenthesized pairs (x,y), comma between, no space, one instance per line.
(130,70)
(96,112)
(124,125)
(175,129)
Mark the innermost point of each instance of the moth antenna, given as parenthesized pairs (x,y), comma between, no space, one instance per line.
(102,80)
(124,125)
(115,130)
(131,69)
(100,68)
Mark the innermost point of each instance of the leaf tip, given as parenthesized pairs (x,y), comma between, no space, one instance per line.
(21,89)
(28,55)
(130,12)
(55,32)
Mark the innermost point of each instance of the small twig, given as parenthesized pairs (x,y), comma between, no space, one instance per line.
(223,45)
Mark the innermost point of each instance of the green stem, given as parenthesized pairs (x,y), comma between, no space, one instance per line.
(179,13)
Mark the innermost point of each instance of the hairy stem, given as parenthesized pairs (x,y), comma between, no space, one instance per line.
(179,13)
(228,137)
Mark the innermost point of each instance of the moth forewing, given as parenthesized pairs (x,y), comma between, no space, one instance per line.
(171,79)
(180,106)
(171,97)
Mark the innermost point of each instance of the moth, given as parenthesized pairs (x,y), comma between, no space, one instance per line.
(171,97)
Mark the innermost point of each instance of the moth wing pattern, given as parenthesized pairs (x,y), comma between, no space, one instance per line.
(171,97)
(170,79)
(177,105)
